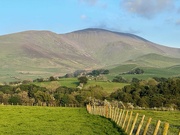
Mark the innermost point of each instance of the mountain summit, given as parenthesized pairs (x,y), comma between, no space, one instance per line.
(39,53)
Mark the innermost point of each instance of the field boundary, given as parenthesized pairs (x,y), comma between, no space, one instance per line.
(131,123)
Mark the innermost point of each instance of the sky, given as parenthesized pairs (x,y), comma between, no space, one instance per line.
(155,20)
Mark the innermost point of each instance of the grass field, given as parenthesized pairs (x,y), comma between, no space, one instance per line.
(73,83)
(172,117)
(109,87)
(16,120)
(149,72)
(68,82)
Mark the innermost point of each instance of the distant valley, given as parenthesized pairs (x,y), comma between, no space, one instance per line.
(36,54)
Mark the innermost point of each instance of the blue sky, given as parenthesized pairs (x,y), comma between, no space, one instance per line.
(154,20)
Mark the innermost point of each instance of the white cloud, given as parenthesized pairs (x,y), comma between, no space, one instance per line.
(83,17)
(95,3)
(147,8)
(90,2)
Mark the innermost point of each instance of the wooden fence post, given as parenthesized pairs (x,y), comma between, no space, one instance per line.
(140,125)
(166,126)
(121,118)
(132,128)
(157,127)
(125,120)
(97,110)
(115,109)
(129,122)
(147,126)
(101,111)
(94,109)
(106,111)
(117,114)
(110,111)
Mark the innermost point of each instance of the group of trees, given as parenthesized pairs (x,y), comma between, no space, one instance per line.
(30,94)
(95,73)
(152,93)
(98,72)
(119,79)
(155,92)
(135,71)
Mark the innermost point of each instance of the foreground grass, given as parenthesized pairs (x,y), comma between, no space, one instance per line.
(172,117)
(17,120)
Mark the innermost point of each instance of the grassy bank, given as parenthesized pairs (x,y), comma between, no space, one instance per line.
(17,120)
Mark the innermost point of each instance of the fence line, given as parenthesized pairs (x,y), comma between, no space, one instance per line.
(131,124)
(44,104)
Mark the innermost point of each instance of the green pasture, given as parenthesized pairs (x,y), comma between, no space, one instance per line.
(107,86)
(149,72)
(16,120)
(68,82)
(73,83)
(172,117)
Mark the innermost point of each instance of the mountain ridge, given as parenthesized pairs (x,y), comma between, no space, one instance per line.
(84,49)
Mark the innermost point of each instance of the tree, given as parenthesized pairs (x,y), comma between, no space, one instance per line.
(135,80)
(15,100)
(119,79)
(105,72)
(52,78)
(83,79)
(136,71)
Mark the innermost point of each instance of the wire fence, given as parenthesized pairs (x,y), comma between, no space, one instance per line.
(132,123)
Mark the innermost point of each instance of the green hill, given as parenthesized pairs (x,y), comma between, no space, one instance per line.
(35,54)
(155,60)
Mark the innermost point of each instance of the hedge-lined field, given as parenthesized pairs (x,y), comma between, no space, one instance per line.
(16,120)
(73,83)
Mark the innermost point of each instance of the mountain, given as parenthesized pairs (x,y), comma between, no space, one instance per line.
(112,48)
(33,54)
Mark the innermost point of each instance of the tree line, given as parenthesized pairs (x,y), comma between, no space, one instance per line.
(30,94)
(156,92)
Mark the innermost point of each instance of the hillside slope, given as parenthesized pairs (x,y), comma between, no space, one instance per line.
(113,48)
(40,53)
(41,49)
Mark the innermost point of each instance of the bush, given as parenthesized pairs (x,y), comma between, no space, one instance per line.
(83,79)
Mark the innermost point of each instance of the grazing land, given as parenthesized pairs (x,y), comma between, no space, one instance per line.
(73,83)
(149,72)
(172,117)
(35,120)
